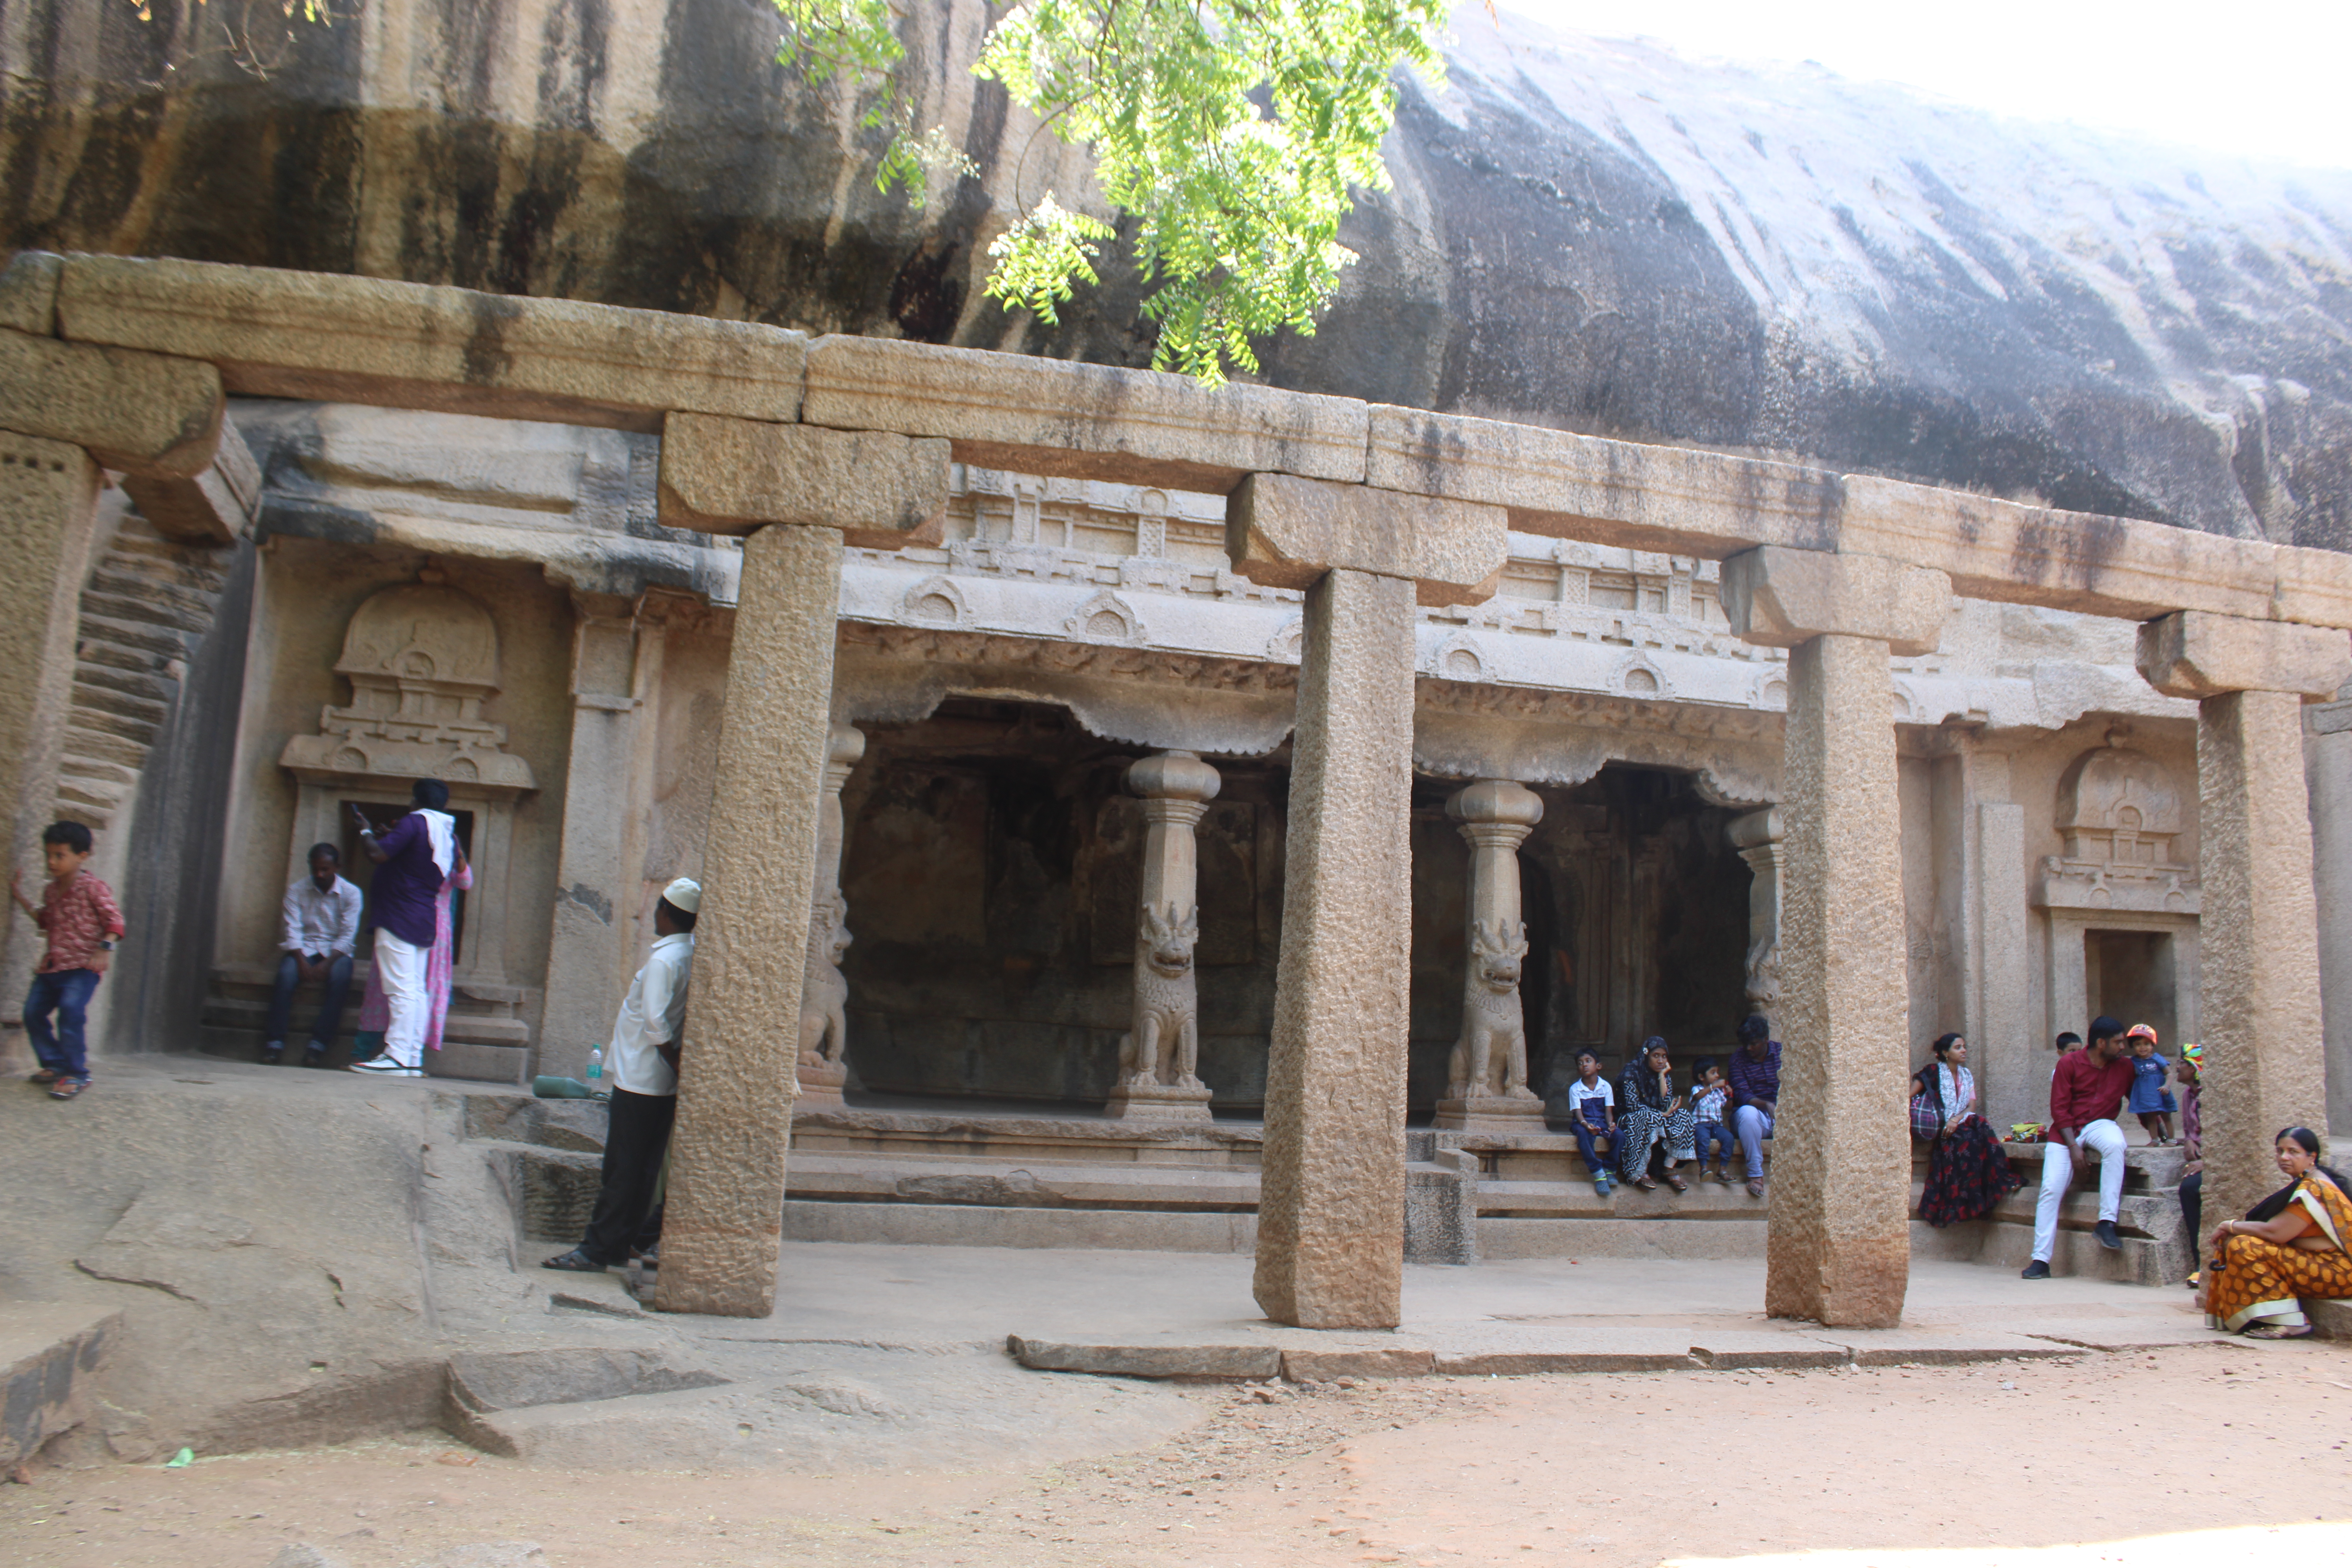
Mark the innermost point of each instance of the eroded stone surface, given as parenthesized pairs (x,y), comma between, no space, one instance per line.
(2195,655)
(48,489)
(1331,1204)
(1839,1248)
(28,292)
(1779,598)
(733,476)
(726,1197)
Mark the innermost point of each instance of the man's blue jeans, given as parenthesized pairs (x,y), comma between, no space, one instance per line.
(64,1050)
(330,1021)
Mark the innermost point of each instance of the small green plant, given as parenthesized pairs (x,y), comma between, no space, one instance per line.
(1226,133)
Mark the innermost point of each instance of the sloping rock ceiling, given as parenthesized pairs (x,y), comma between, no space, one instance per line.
(1596,236)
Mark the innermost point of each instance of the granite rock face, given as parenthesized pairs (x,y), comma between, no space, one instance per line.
(1593,236)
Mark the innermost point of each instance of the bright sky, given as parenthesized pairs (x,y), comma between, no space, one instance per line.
(2273,80)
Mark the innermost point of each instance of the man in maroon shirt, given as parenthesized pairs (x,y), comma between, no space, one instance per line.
(2085,1093)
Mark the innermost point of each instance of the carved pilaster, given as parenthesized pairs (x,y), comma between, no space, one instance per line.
(1159,1059)
(1757,837)
(1488,1077)
(824,994)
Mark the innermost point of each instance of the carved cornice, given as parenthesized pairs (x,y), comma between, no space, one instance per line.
(1149,666)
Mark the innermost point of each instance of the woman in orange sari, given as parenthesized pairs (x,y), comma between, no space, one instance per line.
(2294,1245)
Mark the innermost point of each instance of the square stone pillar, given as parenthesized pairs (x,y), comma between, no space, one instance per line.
(1838,1248)
(723,1228)
(2328,773)
(1330,1227)
(598,875)
(2264,1061)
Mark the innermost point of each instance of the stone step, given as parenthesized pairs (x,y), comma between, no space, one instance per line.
(246,1016)
(48,1353)
(164,643)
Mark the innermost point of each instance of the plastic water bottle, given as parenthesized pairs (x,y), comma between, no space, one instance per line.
(595,1066)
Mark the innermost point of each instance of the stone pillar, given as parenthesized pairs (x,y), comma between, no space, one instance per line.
(1757,837)
(2013,1084)
(1838,1248)
(722,1229)
(1486,1088)
(824,994)
(2264,1065)
(1331,1231)
(1159,1059)
(1330,1234)
(2327,771)
(591,940)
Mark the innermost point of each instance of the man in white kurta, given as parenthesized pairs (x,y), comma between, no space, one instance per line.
(643,1066)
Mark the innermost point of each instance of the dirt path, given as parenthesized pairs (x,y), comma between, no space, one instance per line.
(1606,1471)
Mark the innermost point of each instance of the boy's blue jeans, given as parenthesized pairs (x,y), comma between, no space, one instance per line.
(1713,1134)
(62,1049)
(1595,1162)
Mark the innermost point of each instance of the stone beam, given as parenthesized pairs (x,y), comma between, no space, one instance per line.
(1679,501)
(723,1228)
(1838,1245)
(2265,1061)
(28,292)
(140,412)
(1286,533)
(213,506)
(275,333)
(1082,421)
(735,476)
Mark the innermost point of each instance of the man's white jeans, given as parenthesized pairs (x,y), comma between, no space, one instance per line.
(2058,1168)
(400,966)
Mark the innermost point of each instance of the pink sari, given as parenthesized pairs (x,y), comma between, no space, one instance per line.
(375,1013)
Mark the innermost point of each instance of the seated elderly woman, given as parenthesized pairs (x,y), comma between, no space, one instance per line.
(2294,1245)
(1649,1113)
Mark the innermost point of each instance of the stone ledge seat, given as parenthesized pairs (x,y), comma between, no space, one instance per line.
(484,1039)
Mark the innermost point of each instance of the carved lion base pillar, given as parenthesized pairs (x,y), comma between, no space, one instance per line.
(1159,1061)
(824,1067)
(1487,1090)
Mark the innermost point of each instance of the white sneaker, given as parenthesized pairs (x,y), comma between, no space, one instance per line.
(386,1067)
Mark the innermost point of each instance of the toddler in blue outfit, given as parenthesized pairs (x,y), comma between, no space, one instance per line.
(2150,1101)
(1706,1109)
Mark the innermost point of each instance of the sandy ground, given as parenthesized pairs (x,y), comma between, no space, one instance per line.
(1630,1469)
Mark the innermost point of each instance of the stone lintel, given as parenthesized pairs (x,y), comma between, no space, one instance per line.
(1285,532)
(1780,598)
(28,292)
(2196,654)
(736,476)
(137,412)
(276,333)
(1082,421)
(214,507)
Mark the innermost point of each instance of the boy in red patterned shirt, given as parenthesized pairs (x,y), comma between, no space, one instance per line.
(83,922)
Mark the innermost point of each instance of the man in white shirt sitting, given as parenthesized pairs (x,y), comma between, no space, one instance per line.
(642,1065)
(323,927)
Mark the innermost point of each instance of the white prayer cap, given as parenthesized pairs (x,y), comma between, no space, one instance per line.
(685,894)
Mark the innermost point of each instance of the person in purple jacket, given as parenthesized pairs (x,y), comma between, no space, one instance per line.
(411,862)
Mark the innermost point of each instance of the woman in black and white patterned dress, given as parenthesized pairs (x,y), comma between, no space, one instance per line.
(1649,1112)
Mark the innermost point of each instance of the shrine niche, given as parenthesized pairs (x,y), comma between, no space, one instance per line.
(2119,814)
(422,659)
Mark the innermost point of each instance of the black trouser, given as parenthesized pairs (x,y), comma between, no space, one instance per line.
(634,1144)
(2192,1209)
(330,1022)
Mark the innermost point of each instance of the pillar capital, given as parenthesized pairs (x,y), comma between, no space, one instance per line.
(144,414)
(1172,776)
(844,748)
(724,475)
(1756,830)
(1779,597)
(1285,532)
(2197,654)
